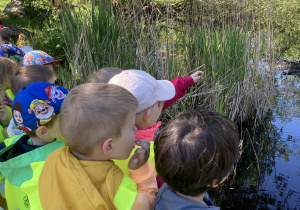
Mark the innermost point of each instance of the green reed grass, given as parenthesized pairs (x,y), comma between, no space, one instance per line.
(99,36)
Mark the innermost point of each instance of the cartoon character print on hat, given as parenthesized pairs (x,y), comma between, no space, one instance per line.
(17,114)
(34,107)
(54,93)
(42,110)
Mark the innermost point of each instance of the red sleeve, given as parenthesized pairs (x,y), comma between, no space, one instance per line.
(180,84)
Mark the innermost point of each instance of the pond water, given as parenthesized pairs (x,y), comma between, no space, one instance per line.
(268,173)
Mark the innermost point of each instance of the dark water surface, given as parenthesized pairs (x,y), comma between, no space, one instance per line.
(268,173)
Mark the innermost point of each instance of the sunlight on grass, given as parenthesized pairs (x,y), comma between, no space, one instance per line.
(3,3)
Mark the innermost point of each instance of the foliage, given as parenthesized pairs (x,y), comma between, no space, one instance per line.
(49,39)
(100,38)
(231,85)
(3,3)
(39,8)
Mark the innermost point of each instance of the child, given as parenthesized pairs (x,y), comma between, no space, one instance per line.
(38,57)
(7,71)
(36,110)
(154,96)
(30,74)
(194,152)
(104,75)
(24,76)
(97,122)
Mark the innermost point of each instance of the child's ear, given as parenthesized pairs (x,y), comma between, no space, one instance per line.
(146,116)
(107,147)
(42,132)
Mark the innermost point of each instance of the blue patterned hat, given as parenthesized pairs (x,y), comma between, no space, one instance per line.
(12,52)
(38,57)
(36,104)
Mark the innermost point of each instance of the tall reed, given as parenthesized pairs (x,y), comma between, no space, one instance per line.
(232,85)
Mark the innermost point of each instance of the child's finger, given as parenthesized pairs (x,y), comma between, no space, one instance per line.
(197,73)
(145,144)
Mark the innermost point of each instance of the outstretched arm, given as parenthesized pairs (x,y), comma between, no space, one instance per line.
(181,84)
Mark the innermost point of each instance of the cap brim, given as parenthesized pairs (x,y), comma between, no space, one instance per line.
(165,90)
(52,62)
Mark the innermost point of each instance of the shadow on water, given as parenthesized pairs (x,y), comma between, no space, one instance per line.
(267,175)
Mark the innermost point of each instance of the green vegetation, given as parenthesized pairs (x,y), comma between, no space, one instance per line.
(169,39)
(3,3)
(231,85)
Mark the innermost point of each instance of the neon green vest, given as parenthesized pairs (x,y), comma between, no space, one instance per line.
(124,163)
(21,174)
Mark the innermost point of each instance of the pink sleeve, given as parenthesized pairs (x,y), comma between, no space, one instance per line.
(180,84)
(145,179)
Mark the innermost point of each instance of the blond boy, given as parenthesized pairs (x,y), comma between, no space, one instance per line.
(98,123)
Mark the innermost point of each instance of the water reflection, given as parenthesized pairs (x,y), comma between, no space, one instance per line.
(268,173)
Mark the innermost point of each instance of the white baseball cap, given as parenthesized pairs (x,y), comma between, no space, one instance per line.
(144,87)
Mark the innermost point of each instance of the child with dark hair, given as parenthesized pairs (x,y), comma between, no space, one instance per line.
(196,151)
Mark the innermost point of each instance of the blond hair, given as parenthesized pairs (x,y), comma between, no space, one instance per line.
(30,74)
(93,112)
(104,75)
(7,69)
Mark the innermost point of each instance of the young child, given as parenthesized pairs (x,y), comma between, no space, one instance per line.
(38,57)
(36,110)
(194,152)
(104,75)
(30,74)
(26,75)
(154,96)
(97,121)
(7,71)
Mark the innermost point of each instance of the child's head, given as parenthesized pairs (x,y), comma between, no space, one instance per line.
(97,120)
(104,75)
(7,71)
(38,57)
(149,92)
(36,109)
(30,74)
(196,151)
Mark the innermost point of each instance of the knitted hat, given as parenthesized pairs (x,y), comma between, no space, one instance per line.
(38,57)
(36,104)
(144,87)
(12,52)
